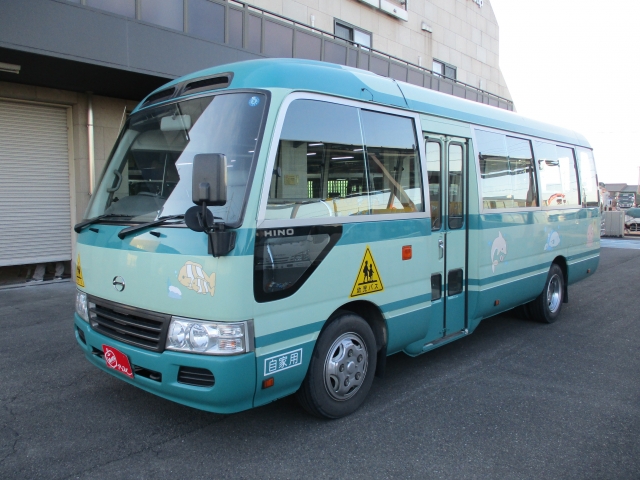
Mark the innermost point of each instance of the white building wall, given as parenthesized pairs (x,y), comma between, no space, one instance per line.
(464,34)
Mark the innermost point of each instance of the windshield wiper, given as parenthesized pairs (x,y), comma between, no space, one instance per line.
(136,228)
(79,226)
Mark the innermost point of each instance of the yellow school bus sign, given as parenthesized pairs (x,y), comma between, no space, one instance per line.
(368,279)
(79,278)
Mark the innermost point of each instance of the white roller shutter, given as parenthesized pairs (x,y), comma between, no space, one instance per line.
(35,216)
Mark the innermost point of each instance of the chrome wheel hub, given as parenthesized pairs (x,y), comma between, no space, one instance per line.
(345,367)
(554,294)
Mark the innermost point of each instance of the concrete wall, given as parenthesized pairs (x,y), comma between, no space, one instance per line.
(464,34)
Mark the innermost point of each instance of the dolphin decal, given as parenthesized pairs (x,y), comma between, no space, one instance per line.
(498,251)
(553,240)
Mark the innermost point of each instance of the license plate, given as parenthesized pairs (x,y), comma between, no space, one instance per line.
(117,360)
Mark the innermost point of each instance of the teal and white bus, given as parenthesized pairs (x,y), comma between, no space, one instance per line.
(277,226)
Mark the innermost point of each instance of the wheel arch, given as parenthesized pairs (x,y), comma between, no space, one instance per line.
(562,263)
(372,314)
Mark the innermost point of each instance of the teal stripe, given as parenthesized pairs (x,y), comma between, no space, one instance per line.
(277,337)
(524,271)
(182,241)
(368,232)
(176,241)
(288,334)
(588,253)
(506,276)
(407,302)
(544,217)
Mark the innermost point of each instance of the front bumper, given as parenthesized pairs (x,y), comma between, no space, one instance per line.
(235,376)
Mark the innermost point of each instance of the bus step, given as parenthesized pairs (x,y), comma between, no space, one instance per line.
(444,340)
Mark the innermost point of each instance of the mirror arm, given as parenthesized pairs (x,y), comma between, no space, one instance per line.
(221,241)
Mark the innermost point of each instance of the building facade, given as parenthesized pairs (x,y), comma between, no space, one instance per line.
(71,70)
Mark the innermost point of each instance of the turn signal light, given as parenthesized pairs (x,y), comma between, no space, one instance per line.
(407,252)
(268,383)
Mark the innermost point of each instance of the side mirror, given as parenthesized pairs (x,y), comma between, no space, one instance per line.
(209,179)
(209,189)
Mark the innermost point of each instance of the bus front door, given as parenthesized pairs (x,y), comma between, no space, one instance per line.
(447,172)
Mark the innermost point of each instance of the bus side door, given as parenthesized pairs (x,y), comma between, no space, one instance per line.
(447,168)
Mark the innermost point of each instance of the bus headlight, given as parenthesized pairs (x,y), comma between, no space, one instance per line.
(82,308)
(209,338)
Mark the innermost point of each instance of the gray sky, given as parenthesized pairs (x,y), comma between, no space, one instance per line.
(576,63)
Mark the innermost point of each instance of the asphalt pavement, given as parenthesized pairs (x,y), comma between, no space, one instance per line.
(515,400)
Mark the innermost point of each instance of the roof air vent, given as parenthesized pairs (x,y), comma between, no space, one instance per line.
(159,96)
(211,83)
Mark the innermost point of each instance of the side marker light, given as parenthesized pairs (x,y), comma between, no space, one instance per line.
(407,252)
(496,303)
(268,383)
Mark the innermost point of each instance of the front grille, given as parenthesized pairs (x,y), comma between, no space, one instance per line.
(199,377)
(135,326)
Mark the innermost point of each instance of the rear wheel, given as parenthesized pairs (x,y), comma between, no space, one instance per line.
(546,308)
(341,369)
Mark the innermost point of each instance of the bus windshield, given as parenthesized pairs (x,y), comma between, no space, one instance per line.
(149,173)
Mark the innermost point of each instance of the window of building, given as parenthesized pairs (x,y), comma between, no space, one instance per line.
(121,7)
(206,20)
(352,33)
(444,69)
(507,171)
(336,161)
(166,13)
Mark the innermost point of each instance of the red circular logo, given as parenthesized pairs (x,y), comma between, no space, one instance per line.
(111,359)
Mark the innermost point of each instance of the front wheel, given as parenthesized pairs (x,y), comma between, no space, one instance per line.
(546,307)
(341,369)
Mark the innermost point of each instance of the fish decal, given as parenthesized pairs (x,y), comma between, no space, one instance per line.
(193,277)
(498,251)
(553,240)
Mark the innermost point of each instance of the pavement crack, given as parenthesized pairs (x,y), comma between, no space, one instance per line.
(155,449)
(14,446)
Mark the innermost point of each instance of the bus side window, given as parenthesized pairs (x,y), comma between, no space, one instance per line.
(395,179)
(588,178)
(456,186)
(558,176)
(522,172)
(320,164)
(434,173)
(507,171)
(569,173)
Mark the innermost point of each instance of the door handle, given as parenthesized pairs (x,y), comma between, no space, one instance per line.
(441,247)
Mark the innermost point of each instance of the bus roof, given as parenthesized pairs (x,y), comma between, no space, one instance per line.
(333,79)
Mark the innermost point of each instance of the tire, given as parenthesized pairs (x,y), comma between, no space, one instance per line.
(546,308)
(341,370)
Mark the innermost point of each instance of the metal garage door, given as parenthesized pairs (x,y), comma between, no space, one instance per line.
(35,216)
